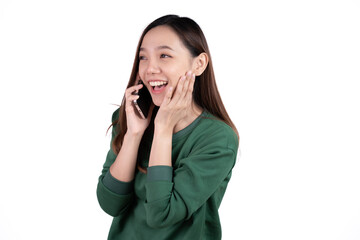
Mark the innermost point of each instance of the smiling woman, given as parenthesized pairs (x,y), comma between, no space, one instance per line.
(163,52)
(165,176)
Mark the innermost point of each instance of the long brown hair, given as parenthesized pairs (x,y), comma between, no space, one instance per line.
(205,94)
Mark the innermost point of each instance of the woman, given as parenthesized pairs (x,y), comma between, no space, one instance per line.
(165,176)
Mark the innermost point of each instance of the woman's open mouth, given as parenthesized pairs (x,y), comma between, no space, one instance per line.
(158,86)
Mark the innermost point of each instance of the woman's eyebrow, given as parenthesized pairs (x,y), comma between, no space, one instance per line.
(158,48)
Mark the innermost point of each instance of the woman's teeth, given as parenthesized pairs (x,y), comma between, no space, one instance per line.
(157,83)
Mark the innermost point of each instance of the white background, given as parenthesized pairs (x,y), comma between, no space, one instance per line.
(288,72)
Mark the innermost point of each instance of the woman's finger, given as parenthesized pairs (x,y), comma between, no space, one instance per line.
(168,95)
(190,88)
(178,90)
(183,99)
(187,83)
(130,96)
(129,106)
(131,90)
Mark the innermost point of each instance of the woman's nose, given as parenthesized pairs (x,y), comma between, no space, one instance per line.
(152,67)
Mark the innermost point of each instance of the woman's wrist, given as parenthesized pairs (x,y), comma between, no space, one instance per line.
(161,148)
(123,169)
(163,129)
(133,136)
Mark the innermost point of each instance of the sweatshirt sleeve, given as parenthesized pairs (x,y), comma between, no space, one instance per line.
(113,195)
(174,198)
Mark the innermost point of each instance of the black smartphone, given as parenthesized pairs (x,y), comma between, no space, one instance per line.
(143,103)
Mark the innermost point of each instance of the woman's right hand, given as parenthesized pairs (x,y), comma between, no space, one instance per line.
(135,124)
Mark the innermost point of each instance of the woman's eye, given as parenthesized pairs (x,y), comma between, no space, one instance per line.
(164,56)
(142,58)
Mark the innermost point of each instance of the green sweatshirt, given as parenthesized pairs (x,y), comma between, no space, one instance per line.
(178,202)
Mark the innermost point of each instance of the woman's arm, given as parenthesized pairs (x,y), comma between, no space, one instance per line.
(174,108)
(113,196)
(174,195)
(115,187)
(123,169)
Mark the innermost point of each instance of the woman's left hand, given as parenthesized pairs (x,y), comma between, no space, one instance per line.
(176,106)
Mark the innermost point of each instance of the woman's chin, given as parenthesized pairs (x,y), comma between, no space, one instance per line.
(157,101)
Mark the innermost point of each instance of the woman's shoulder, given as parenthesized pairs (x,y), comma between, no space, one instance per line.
(115,115)
(212,123)
(210,129)
(114,120)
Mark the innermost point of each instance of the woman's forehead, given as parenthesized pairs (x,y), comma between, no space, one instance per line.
(161,37)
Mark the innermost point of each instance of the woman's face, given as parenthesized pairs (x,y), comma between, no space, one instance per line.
(163,60)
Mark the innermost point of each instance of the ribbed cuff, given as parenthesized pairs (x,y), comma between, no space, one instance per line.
(117,186)
(159,173)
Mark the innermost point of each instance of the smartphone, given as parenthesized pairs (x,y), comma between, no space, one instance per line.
(143,103)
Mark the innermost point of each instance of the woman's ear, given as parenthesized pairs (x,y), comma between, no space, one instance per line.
(200,63)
